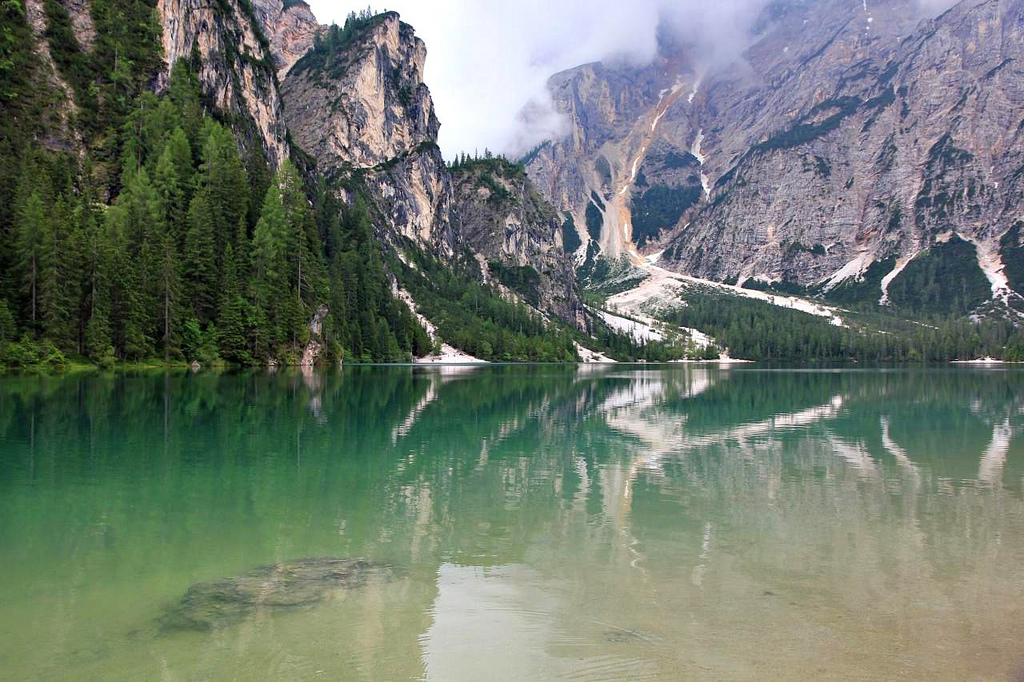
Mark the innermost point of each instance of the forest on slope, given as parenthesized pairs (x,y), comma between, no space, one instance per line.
(168,239)
(150,228)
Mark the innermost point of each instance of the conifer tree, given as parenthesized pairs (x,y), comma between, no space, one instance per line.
(269,271)
(58,294)
(231,314)
(199,261)
(223,180)
(32,227)
(169,290)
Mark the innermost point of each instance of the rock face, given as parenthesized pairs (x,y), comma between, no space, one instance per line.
(359,106)
(614,112)
(851,134)
(314,347)
(81,22)
(237,73)
(291,29)
(516,235)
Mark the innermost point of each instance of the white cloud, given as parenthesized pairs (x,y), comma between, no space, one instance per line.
(488,59)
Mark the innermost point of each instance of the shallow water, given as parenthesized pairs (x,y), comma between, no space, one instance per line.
(550,522)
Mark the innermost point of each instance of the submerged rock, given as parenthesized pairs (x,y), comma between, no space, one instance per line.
(289,585)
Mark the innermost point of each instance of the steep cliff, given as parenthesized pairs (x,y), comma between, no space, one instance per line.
(878,148)
(517,236)
(850,138)
(291,29)
(357,103)
(236,67)
(614,111)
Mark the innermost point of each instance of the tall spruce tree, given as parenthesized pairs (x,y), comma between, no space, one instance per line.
(33,225)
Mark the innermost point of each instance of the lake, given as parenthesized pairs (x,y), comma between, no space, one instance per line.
(513,522)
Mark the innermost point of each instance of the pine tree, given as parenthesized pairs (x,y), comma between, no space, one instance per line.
(269,271)
(173,179)
(32,228)
(58,286)
(8,329)
(185,92)
(223,180)
(169,291)
(199,261)
(231,314)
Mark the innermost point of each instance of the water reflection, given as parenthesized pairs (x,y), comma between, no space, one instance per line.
(587,522)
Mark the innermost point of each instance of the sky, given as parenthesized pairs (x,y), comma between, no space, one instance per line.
(487,60)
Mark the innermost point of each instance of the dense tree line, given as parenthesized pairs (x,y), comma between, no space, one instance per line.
(197,257)
(756,330)
(475,318)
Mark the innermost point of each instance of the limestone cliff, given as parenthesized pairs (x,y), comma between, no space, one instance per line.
(874,146)
(60,110)
(516,235)
(291,29)
(357,103)
(237,71)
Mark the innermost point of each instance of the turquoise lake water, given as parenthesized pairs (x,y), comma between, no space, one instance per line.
(547,522)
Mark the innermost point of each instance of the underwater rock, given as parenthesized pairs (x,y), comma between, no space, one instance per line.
(288,585)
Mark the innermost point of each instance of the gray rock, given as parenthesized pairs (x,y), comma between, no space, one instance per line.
(849,131)
(289,585)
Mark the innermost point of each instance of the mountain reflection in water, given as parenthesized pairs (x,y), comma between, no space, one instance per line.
(549,522)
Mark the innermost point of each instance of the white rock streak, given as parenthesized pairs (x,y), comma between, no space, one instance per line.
(663,287)
(991,263)
(901,264)
(854,269)
(592,356)
(449,354)
(705,182)
(637,330)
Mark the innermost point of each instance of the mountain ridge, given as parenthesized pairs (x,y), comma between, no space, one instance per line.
(304,212)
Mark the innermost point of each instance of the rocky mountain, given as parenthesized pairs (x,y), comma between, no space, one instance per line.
(257,170)
(358,105)
(236,64)
(353,99)
(516,236)
(851,139)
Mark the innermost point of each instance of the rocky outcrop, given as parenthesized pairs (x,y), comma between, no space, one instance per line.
(237,70)
(516,235)
(81,22)
(614,112)
(315,346)
(291,29)
(288,585)
(357,103)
